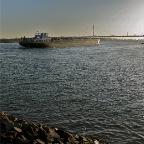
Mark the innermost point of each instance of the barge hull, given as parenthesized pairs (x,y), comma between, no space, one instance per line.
(62,43)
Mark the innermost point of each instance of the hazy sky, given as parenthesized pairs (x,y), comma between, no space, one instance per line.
(71,17)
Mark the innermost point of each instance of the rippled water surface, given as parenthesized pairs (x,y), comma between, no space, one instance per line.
(96,91)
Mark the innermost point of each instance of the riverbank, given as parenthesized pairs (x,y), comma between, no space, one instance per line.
(14,40)
(19,131)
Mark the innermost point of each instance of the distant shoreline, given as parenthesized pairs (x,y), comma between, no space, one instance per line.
(13,40)
(16,40)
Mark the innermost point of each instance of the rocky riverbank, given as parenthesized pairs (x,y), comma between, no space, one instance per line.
(18,131)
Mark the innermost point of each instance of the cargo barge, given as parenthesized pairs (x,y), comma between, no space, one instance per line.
(42,40)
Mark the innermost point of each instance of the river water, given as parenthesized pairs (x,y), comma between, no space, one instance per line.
(96,91)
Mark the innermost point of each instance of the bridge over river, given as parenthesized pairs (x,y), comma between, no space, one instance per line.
(119,36)
(123,37)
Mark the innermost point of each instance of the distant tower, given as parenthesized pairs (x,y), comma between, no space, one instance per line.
(93,30)
(127,33)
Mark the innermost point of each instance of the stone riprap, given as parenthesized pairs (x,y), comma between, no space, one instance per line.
(19,131)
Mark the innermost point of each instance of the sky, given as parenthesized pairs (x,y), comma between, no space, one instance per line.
(20,18)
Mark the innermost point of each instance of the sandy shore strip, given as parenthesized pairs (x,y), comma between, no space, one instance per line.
(19,131)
